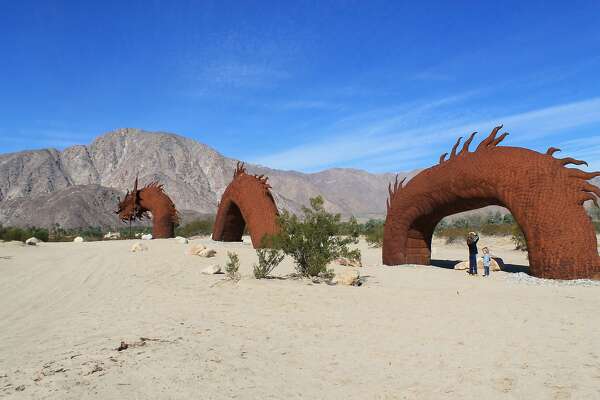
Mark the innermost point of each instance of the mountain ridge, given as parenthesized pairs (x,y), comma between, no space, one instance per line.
(193,173)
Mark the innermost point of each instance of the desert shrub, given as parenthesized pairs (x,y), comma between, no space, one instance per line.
(314,240)
(130,233)
(60,234)
(22,234)
(196,227)
(373,231)
(232,266)
(494,224)
(268,259)
(453,234)
(518,238)
(497,229)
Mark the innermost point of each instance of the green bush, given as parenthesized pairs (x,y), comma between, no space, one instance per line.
(22,234)
(268,259)
(373,231)
(314,240)
(518,238)
(453,234)
(130,233)
(195,228)
(232,266)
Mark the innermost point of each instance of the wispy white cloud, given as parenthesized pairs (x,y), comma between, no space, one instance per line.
(585,148)
(310,105)
(418,134)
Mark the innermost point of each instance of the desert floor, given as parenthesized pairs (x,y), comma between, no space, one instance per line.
(411,332)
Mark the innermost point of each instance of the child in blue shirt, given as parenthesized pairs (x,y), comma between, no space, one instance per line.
(487,260)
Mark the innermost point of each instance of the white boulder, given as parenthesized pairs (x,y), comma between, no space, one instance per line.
(32,241)
(78,239)
(194,249)
(147,237)
(182,240)
(112,235)
(212,269)
(350,277)
(137,247)
(495,265)
(461,266)
(207,253)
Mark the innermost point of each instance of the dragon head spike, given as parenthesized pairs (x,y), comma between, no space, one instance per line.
(589,197)
(579,174)
(499,139)
(571,160)
(135,190)
(488,140)
(240,168)
(443,158)
(465,148)
(591,189)
(453,153)
(551,151)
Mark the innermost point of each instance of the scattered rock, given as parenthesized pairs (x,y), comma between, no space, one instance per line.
(194,249)
(207,253)
(349,277)
(98,367)
(147,237)
(138,247)
(212,270)
(182,240)
(348,262)
(521,277)
(122,346)
(462,265)
(78,239)
(200,250)
(32,241)
(20,388)
(112,235)
(495,265)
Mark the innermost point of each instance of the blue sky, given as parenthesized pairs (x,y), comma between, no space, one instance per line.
(381,86)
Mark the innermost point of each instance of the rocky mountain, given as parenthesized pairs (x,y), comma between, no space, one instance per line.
(79,186)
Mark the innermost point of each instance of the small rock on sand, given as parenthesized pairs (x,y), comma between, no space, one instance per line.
(212,269)
(495,265)
(194,249)
(182,240)
(207,253)
(147,237)
(78,239)
(200,250)
(350,277)
(32,241)
(348,262)
(138,247)
(112,235)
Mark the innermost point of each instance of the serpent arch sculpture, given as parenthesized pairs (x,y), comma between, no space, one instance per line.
(545,197)
(246,202)
(151,198)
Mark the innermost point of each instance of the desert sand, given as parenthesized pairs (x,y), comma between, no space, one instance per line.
(410,332)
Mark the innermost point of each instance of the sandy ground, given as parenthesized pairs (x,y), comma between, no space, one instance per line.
(412,332)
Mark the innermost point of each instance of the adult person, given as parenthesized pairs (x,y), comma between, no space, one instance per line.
(472,239)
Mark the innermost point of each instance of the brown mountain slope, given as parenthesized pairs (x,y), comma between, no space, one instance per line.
(194,175)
